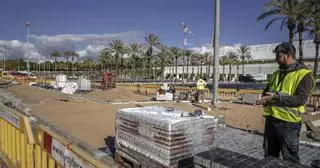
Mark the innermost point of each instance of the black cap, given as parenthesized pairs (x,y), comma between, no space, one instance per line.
(285,48)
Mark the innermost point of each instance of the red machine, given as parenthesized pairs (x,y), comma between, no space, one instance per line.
(109,80)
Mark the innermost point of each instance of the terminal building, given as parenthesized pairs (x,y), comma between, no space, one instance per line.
(260,53)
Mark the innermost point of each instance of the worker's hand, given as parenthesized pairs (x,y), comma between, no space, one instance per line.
(268,98)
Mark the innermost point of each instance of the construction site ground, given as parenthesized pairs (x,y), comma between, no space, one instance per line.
(91,117)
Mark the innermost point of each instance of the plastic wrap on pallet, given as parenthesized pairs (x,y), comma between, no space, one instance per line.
(84,84)
(61,80)
(164,135)
(69,88)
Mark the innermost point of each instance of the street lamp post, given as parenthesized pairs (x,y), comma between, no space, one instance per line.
(28,24)
(216,40)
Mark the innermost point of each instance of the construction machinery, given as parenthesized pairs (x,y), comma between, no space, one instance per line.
(109,80)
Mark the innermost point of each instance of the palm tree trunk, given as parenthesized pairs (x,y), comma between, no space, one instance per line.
(55,65)
(209,71)
(192,68)
(149,69)
(67,67)
(176,70)
(183,58)
(72,68)
(237,71)
(223,72)
(316,61)
(291,36)
(300,46)
(201,70)
(229,77)
(134,70)
(188,59)
(117,67)
(243,66)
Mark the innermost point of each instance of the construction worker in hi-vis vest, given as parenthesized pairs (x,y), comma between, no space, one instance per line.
(201,85)
(284,101)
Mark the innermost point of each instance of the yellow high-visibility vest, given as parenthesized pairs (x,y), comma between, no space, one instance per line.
(201,84)
(287,86)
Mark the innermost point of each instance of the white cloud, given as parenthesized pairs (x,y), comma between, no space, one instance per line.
(84,44)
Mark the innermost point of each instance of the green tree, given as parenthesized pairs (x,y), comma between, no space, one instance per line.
(314,25)
(287,11)
(303,15)
(232,60)
(176,53)
(67,55)
(117,48)
(188,53)
(163,57)
(224,60)
(208,61)
(55,55)
(152,43)
(134,52)
(73,56)
(244,55)
(106,59)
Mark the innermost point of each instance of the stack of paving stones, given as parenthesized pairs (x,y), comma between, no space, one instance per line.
(270,162)
(161,137)
(250,98)
(221,158)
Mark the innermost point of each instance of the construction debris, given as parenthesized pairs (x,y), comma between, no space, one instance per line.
(159,136)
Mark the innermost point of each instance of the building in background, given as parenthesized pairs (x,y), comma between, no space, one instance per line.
(262,54)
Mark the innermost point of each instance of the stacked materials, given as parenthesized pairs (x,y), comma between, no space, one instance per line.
(161,137)
(69,87)
(61,80)
(222,158)
(84,84)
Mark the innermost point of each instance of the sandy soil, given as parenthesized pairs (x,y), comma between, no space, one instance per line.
(117,95)
(242,116)
(92,121)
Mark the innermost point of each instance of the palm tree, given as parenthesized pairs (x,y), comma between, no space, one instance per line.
(315,32)
(55,55)
(224,60)
(187,54)
(244,54)
(134,51)
(193,61)
(67,55)
(73,56)
(163,58)
(303,16)
(152,43)
(286,10)
(116,47)
(176,53)
(232,60)
(208,62)
(106,59)
(202,61)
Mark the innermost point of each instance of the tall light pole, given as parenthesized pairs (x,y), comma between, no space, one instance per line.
(28,24)
(215,45)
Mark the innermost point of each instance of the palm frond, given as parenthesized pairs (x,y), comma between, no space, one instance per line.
(271,22)
(268,14)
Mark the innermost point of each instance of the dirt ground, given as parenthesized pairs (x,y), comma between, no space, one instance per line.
(117,95)
(91,121)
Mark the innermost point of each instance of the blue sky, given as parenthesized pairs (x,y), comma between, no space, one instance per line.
(163,17)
